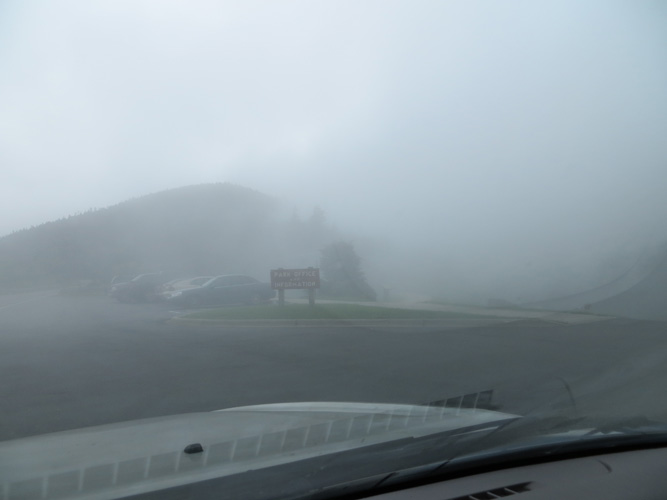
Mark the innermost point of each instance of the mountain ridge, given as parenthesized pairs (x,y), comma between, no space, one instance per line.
(200,229)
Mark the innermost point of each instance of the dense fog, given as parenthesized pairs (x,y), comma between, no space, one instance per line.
(468,150)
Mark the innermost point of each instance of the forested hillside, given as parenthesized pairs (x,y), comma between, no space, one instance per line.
(203,229)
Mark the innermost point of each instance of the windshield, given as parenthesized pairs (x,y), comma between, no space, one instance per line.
(455,208)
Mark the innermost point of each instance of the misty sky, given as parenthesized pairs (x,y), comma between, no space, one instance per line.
(519,132)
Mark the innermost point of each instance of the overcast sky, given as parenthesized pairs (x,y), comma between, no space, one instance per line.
(519,127)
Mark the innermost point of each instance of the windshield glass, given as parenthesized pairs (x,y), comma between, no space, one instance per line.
(456,209)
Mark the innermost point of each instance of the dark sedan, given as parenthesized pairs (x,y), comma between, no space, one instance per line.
(227,289)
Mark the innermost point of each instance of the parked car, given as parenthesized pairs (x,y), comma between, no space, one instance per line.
(181,284)
(141,288)
(226,289)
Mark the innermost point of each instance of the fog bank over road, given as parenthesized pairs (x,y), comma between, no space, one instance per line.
(468,149)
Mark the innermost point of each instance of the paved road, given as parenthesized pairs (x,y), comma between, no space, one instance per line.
(69,362)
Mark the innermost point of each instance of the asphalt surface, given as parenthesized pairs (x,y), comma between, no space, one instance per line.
(68,362)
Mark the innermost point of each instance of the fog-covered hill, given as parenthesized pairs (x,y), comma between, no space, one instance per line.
(202,229)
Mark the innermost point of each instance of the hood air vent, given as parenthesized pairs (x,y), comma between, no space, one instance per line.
(495,493)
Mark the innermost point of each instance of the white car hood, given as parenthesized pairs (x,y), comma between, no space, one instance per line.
(117,460)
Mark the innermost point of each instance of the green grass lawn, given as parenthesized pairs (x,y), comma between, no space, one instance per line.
(322,311)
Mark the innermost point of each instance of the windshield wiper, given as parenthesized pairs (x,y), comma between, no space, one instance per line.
(517,443)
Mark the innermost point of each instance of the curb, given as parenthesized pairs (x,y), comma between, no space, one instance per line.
(342,322)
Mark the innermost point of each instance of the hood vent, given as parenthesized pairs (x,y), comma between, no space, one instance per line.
(475,400)
(495,493)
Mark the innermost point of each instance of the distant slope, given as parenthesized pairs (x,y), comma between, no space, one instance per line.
(642,268)
(641,292)
(645,300)
(203,229)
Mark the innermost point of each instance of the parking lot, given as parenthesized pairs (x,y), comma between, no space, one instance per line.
(73,361)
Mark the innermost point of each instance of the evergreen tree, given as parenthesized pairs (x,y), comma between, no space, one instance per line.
(341,270)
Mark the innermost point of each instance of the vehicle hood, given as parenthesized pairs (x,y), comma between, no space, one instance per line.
(117,460)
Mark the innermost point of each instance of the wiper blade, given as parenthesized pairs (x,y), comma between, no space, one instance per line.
(530,441)
(529,429)
(555,449)
(630,425)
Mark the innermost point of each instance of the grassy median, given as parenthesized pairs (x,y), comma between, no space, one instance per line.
(322,311)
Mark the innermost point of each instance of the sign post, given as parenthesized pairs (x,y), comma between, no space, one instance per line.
(295,279)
